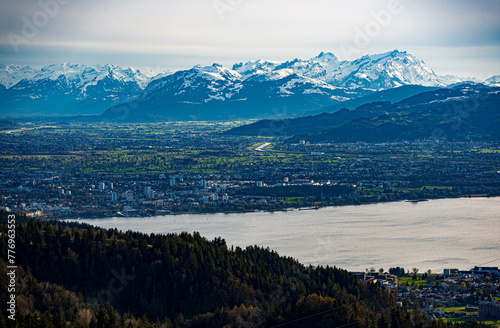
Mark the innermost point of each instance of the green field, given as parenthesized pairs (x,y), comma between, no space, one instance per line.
(456,309)
(493,323)
(403,281)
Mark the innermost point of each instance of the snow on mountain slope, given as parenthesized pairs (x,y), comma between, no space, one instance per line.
(199,84)
(321,67)
(159,75)
(256,70)
(316,68)
(493,81)
(205,84)
(81,76)
(320,80)
(378,72)
(384,71)
(76,75)
(257,85)
(256,88)
(12,74)
(68,88)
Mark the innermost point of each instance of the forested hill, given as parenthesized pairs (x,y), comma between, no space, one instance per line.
(464,112)
(79,276)
(472,119)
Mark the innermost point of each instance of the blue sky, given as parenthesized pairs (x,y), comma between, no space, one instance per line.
(451,36)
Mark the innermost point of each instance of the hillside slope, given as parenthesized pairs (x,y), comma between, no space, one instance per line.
(456,102)
(473,118)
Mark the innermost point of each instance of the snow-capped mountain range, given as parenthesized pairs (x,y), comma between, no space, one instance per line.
(382,71)
(324,75)
(68,88)
(79,76)
(255,87)
(493,81)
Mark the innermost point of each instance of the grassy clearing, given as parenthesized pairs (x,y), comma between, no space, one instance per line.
(488,151)
(436,187)
(291,200)
(493,323)
(455,309)
(412,282)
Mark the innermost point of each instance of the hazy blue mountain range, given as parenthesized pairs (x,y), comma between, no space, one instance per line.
(67,89)
(255,89)
(260,89)
(376,72)
(493,81)
(215,92)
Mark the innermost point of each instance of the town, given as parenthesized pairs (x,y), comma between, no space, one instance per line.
(455,295)
(77,170)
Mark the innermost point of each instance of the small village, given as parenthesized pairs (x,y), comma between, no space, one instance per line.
(458,295)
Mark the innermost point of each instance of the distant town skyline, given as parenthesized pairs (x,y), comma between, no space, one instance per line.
(459,37)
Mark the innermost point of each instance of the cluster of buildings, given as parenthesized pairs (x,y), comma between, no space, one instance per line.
(401,160)
(387,280)
(48,195)
(477,271)
(475,291)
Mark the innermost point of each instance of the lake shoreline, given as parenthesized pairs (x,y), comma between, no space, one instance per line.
(456,232)
(288,209)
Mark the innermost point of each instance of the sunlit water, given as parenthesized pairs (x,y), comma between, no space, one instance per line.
(436,234)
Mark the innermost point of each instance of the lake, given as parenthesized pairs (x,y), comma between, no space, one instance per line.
(436,234)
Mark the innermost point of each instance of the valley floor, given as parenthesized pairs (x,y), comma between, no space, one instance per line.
(99,170)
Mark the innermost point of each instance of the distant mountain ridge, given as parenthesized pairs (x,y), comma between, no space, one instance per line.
(453,120)
(216,92)
(12,74)
(378,72)
(260,89)
(493,81)
(67,88)
(255,89)
(464,112)
(77,74)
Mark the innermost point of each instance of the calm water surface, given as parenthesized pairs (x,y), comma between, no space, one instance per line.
(435,234)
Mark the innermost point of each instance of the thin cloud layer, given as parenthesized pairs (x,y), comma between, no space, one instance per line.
(179,34)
